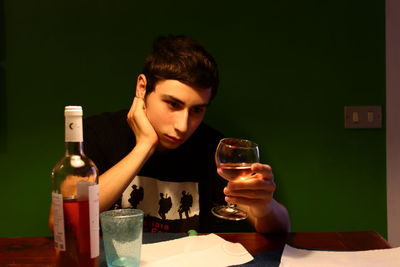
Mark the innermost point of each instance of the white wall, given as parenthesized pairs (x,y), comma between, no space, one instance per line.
(393,119)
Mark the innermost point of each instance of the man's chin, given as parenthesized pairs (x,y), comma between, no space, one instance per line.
(167,145)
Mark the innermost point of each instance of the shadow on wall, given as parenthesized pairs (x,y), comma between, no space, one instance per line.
(3,102)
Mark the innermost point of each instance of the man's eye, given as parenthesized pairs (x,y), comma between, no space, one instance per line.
(198,110)
(173,105)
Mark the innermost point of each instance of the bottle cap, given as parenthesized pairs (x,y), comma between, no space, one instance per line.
(73,111)
(73,124)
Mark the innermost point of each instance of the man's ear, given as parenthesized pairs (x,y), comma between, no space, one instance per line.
(141,86)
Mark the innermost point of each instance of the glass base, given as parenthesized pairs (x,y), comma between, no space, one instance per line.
(229,213)
(124,262)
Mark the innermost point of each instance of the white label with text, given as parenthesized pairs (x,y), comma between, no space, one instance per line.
(58,221)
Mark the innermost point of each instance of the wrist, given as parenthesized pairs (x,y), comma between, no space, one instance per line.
(261,212)
(265,210)
(146,148)
(273,218)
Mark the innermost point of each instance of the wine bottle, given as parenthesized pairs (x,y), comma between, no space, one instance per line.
(75,199)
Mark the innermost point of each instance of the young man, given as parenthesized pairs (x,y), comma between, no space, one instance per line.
(159,155)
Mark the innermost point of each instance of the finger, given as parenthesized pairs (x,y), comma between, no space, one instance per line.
(246,201)
(140,105)
(131,111)
(263,169)
(251,194)
(137,105)
(133,106)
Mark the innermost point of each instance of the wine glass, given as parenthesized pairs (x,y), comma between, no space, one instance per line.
(234,157)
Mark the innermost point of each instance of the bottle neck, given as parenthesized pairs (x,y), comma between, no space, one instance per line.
(73,148)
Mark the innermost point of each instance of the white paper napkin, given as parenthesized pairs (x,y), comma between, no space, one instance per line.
(204,250)
(293,257)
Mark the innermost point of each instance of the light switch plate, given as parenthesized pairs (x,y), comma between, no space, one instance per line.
(362,117)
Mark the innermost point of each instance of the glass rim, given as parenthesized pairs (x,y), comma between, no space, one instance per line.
(251,145)
(114,213)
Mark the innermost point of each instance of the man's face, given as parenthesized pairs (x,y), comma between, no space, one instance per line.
(175,110)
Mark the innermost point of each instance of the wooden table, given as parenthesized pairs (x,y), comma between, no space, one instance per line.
(38,251)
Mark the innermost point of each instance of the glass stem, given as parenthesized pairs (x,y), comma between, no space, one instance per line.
(232,207)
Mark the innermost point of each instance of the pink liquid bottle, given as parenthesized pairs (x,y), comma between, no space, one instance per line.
(75,199)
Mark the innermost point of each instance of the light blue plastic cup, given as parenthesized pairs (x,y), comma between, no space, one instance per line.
(122,236)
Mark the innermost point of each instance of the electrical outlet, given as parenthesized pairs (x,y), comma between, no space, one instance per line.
(362,117)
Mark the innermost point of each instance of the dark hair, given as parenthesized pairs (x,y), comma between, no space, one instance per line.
(183,59)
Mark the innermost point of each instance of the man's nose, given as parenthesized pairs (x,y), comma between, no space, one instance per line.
(182,121)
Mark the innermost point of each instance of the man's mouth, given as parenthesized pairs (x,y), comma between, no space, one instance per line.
(173,139)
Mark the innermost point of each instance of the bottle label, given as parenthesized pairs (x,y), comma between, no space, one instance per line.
(89,192)
(58,220)
(94,220)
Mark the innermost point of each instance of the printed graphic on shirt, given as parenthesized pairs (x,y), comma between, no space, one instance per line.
(168,206)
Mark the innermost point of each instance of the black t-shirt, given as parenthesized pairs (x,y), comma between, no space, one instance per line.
(176,188)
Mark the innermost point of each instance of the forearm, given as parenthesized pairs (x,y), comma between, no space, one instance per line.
(113,182)
(275,220)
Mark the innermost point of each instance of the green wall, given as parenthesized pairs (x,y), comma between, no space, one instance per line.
(287,68)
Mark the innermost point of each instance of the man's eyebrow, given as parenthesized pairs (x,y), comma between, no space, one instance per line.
(170,97)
